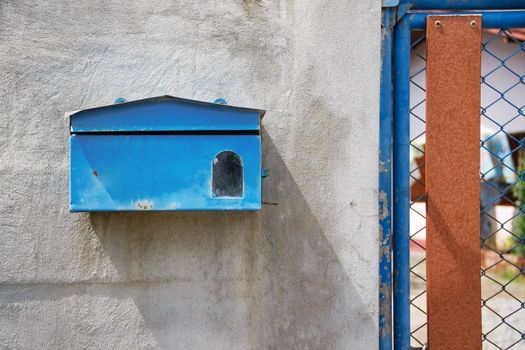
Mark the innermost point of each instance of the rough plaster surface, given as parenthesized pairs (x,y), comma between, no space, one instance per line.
(298,275)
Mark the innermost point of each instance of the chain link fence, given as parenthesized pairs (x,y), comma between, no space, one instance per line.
(502,202)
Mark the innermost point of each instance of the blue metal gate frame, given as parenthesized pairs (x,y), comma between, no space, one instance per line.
(394,184)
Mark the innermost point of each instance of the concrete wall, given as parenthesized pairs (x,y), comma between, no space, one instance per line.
(301,274)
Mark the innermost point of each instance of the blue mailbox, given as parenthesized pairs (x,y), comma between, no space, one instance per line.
(165,153)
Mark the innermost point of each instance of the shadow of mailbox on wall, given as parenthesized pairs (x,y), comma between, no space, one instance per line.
(165,153)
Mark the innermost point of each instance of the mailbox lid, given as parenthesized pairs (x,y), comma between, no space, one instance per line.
(165,114)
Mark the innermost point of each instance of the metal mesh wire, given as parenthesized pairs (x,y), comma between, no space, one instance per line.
(502,238)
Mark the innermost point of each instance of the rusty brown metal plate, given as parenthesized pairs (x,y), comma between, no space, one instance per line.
(453,183)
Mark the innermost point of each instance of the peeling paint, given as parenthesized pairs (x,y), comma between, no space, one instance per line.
(383,205)
(385,287)
(144,204)
(384,166)
(385,246)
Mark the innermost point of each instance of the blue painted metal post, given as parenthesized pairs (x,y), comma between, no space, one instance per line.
(466,4)
(385,184)
(401,239)
(496,19)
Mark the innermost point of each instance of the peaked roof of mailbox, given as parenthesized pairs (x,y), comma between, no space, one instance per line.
(165,113)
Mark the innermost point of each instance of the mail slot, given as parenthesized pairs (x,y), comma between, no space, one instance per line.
(165,153)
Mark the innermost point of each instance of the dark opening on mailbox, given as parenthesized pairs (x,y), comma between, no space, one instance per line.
(165,153)
(227,175)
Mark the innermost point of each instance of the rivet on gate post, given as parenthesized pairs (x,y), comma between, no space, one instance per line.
(473,24)
(438,24)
